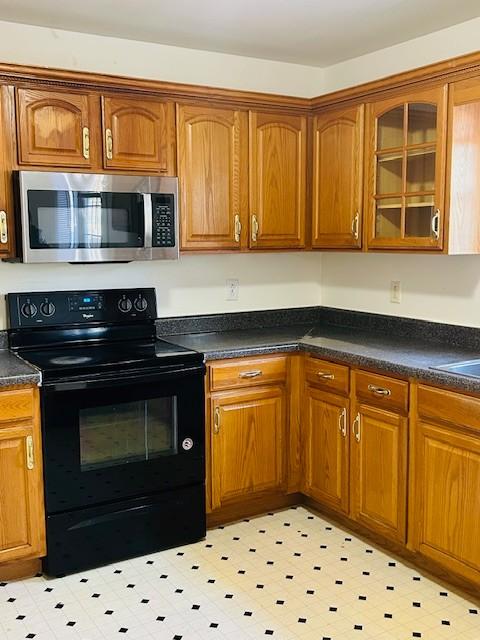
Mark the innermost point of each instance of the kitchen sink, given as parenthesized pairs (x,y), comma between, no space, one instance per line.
(468,368)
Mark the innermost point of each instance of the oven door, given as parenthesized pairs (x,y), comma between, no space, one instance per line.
(74,217)
(123,436)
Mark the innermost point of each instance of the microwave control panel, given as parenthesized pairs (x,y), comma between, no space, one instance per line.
(163,220)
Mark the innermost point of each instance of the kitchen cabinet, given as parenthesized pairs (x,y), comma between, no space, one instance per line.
(213,177)
(278,174)
(405,170)
(7,225)
(54,127)
(138,134)
(446,481)
(248,439)
(379,441)
(326,451)
(337,179)
(22,521)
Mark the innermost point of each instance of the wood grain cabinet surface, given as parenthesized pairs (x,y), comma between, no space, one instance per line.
(22,518)
(337,179)
(278,174)
(212,149)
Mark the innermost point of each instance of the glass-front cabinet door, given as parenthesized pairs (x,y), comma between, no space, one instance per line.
(406,169)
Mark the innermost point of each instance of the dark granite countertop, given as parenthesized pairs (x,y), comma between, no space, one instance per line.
(13,370)
(370,349)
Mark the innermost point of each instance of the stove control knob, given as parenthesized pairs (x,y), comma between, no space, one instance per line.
(125,305)
(47,308)
(28,310)
(140,304)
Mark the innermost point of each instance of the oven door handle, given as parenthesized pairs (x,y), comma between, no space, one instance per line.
(124,379)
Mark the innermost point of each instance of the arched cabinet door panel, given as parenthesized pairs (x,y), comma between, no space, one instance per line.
(138,134)
(53,128)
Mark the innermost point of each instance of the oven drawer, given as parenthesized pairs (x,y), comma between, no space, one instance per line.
(17,404)
(388,393)
(327,375)
(246,372)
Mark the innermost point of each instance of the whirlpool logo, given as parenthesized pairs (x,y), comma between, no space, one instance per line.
(87,316)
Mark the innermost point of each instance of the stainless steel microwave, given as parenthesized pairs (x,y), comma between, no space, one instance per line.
(81,217)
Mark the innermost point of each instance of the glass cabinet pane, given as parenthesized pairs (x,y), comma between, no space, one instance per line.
(422,123)
(419,212)
(389,173)
(390,133)
(421,170)
(388,218)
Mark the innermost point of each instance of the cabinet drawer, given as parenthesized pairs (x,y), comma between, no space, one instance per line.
(327,375)
(381,391)
(247,372)
(443,406)
(16,405)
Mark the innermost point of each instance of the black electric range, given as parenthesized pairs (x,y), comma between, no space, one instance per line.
(122,425)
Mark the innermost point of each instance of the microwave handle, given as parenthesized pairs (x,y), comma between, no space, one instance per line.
(148,222)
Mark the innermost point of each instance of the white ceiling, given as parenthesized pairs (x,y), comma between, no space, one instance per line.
(312,32)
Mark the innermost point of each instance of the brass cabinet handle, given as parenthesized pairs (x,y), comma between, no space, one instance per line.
(30,453)
(238,228)
(86,142)
(325,375)
(436,224)
(216,421)
(355,225)
(109,143)
(254,228)
(342,422)
(379,391)
(356,427)
(3,228)
(250,374)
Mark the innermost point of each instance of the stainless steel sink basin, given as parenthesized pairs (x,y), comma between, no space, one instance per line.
(469,368)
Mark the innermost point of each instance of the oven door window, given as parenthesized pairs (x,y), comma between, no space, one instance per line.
(127,432)
(84,220)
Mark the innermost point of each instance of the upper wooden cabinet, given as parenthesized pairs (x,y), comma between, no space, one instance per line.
(337,179)
(7,226)
(278,171)
(138,134)
(53,128)
(405,176)
(212,146)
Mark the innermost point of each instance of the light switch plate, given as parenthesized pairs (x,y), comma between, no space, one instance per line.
(233,286)
(395,291)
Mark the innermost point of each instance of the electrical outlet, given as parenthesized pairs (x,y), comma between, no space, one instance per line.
(395,291)
(233,286)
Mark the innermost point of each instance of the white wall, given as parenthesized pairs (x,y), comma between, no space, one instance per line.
(194,284)
(438,288)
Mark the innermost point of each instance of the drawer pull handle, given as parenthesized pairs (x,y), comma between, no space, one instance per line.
(109,144)
(3,228)
(379,391)
(86,142)
(216,421)
(356,427)
(355,225)
(238,227)
(254,228)
(342,422)
(250,374)
(30,453)
(325,375)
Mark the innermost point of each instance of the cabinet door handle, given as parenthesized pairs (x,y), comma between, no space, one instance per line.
(238,228)
(216,421)
(436,224)
(109,143)
(356,427)
(342,422)
(379,391)
(30,453)
(86,142)
(254,228)
(3,228)
(250,374)
(355,225)
(325,375)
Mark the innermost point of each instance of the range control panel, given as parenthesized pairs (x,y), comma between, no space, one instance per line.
(163,223)
(80,307)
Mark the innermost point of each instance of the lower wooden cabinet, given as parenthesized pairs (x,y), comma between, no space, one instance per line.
(248,441)
(446,499)
(379,471)
(22,519)
(325,429)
